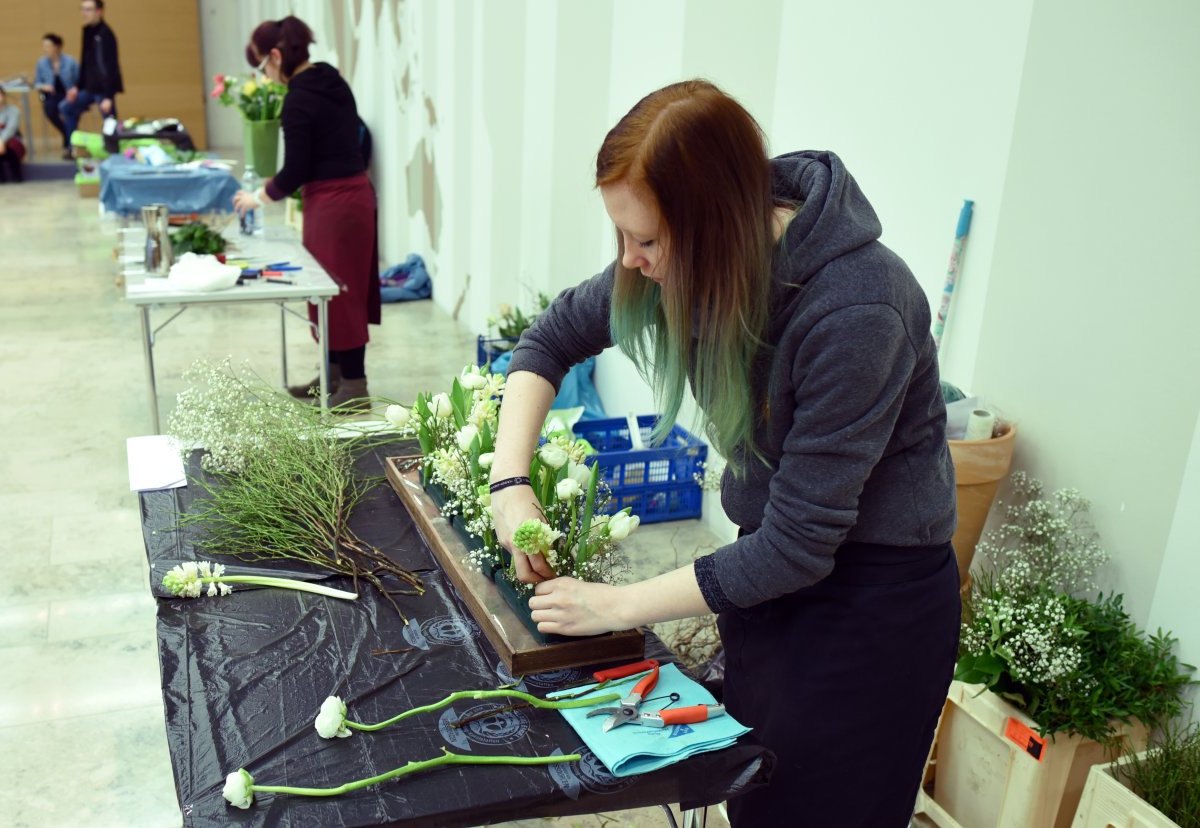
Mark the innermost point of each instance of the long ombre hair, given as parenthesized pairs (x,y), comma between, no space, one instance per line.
(702,159)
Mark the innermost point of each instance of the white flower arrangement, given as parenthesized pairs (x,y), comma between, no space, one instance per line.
(457,432)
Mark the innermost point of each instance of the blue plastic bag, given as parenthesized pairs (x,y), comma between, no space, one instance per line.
(577,389)
(406,281)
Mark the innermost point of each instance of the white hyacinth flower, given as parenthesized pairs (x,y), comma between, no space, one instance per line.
(621,525)
(440,406)
(568,489)
(553,456)
(331,721)
(398,416)
(466,436)
(485,459)
(239,789)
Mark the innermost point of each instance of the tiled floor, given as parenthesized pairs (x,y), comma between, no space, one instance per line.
(81,722)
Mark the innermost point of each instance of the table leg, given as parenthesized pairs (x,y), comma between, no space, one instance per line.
(323,335)
(31,151)
(283,341)
(148,351)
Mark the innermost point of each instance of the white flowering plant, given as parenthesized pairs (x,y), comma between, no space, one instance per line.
(457,433)
(1075,665)
(510,322)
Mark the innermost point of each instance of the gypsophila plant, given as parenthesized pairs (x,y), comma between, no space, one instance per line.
(1044,541)
(1074,665)
(234,415)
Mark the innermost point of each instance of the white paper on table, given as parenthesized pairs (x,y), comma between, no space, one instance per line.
(154,463)
(148,285)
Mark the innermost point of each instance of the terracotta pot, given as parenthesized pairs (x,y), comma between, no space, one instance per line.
(979,467)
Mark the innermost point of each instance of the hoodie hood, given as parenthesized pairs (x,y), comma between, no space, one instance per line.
(323,81)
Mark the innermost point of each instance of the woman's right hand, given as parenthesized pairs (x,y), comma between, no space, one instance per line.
(510,508)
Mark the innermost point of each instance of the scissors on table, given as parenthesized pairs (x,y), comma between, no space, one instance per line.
(630,711)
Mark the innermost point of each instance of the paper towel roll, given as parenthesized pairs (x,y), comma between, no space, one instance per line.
(980,425)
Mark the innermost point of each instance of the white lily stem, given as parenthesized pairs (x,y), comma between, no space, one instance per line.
(282,583)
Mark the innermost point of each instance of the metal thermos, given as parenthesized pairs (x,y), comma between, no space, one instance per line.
(158,238)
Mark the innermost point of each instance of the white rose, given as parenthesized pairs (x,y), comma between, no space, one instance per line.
(580,473)
(552,455)
(485,459)
(472,379)
(239,789)
(331,721)
(621,525)
(397,415)
(466,436)
(568,489)
(440,406)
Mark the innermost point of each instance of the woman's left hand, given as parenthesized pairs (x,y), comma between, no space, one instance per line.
(244,201)
(566,606)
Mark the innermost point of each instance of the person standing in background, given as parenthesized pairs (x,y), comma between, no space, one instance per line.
(323,154)
(12,150)
(99,71)
(54,75)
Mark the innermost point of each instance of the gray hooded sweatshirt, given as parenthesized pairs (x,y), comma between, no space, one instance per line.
(855,430)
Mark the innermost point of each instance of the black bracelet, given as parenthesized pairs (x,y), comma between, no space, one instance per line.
(509,481)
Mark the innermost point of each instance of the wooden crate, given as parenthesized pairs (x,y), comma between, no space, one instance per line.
(983,778)
(1107,803)
(518,649)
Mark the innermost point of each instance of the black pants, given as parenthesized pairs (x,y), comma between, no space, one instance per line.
(10,168)
(844,681)
(50,104)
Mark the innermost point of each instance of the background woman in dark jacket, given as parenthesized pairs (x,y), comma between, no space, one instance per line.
(322,156)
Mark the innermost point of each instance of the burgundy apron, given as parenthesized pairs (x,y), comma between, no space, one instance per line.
(340,233)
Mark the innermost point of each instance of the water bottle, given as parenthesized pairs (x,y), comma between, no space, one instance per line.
(252,220)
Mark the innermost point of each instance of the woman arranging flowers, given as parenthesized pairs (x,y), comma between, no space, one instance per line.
(764,284)
(322,155)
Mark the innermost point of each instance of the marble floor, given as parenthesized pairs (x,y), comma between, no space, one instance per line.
(82,740)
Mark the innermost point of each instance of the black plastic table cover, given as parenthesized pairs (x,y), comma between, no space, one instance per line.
(244,675)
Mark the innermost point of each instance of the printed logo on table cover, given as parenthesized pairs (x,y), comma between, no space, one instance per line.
(500,729)
(442,629)
(588,774)
(555,678)
(680,730)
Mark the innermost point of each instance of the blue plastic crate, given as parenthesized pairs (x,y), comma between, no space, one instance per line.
(488,348)
(658,483)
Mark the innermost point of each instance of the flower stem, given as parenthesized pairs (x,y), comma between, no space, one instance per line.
(534,701)
(281,583)
(447,758)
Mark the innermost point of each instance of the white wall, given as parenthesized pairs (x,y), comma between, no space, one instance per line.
(1071,125)
(1088,334)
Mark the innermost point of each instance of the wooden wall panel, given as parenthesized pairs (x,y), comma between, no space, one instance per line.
(159,42)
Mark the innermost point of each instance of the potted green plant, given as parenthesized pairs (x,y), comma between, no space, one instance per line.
(260,101)
(1048,682)
(1159,788)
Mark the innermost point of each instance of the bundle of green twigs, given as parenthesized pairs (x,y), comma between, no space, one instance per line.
(286,483)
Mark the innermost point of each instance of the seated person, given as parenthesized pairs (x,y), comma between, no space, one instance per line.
(12,149)
(55,74)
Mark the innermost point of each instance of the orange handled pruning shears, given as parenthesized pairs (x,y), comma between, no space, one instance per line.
(630,710)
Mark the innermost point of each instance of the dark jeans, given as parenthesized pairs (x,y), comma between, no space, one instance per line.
(71,112)
(844,682)
(10,165)
(50,105)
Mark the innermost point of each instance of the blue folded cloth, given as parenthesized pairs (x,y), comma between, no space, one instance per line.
(632,749)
